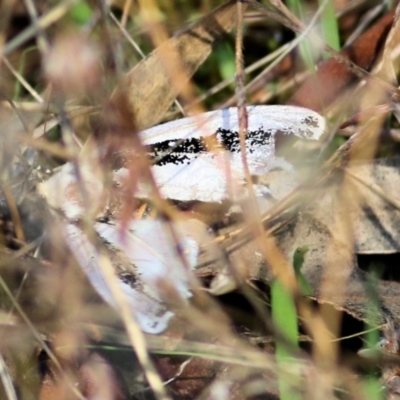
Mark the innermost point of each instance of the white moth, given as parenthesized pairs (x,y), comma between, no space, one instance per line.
(187,168)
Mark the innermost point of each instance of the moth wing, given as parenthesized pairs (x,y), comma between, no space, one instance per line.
(150,313)
(149,246)
(180,129)
(298,121)
(62,190)
(210,177)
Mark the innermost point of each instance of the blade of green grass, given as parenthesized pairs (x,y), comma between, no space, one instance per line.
(329,28)
(298,261)
(284,317)
(305,47)
(329,25)
(21,68)
(372,389)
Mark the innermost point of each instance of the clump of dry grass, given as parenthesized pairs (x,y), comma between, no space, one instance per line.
(254,323)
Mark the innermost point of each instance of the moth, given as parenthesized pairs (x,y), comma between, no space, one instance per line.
(195,158)
(199,158)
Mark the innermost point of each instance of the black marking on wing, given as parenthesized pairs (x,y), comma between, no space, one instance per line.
(230,139)
(127,277)
(176,151)
(312,121)
(185,151)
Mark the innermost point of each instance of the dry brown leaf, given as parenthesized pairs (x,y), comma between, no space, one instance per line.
(377,228)
(154,83)
(333,77)
(331,256)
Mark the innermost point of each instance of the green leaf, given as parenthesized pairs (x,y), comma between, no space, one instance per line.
(81,12)
(226,60)
(298,261)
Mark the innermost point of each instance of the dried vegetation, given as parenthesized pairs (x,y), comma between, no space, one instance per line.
(280,300)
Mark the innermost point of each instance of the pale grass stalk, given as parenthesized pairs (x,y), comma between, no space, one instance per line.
(125,13)
(136,336)
(42,41)
(288,49)
(339,264)
(225,83)
(23,81)
(129,38)
(241,94)
(39,339)
(168,54)
(7,381)
(53,16)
